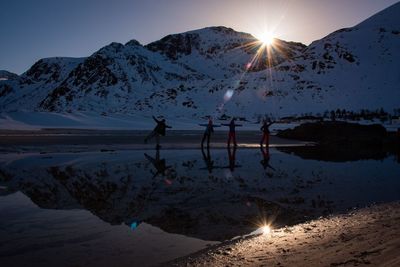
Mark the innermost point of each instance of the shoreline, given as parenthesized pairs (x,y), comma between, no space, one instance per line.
(128,140)
(368,236)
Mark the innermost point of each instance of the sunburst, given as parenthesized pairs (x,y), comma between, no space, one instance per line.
(266,39)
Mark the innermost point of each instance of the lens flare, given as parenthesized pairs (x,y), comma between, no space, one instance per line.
(134,225)
(267,38)
(228,95)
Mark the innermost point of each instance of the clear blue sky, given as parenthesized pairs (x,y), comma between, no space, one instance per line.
(33,29)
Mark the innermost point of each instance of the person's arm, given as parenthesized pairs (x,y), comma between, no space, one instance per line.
(269,124)
(167,126)
(155,119)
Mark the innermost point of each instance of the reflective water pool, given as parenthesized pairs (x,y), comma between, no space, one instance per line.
(144,207)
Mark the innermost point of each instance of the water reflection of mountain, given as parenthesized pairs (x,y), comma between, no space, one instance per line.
(179,192)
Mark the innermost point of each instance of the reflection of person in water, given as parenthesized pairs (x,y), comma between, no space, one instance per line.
(207,159)
(135,225)
(232,158)
(265,130)
(159,164)
(158,130)
(266,157)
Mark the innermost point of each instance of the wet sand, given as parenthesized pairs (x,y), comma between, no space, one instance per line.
(89,140)
(369,236)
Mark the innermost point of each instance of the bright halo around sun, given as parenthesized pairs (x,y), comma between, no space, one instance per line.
(266,39)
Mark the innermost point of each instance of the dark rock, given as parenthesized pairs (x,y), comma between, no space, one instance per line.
(340,133)
(341,141)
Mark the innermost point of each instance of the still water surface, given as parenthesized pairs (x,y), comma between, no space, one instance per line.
(143,207)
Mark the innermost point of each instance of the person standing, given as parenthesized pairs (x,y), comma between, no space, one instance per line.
(158,130)
(207,133)
(232,132)
(265,130)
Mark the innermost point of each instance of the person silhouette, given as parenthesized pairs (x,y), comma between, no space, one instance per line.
(207,133)
(265,130)
(232,132)
(157,131)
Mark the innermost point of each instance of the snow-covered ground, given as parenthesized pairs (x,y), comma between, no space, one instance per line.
(190,75)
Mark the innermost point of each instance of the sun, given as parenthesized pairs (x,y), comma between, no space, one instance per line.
(267,38)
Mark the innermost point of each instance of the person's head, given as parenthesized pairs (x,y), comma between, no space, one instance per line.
(209,120)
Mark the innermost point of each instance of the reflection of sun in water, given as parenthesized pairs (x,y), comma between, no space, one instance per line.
(266,229)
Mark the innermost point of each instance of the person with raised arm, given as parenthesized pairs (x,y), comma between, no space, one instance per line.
(157,131)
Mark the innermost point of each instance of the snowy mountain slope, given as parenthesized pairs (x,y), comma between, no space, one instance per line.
(8,81)
(6,75)
(218,71)
(115,78)
(33,85)
(352,68)
(219,51)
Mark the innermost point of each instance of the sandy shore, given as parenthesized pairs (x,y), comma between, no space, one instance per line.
(369,236)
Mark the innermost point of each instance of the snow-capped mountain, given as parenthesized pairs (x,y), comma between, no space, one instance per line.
(216,71)
(27,90)
(6,75)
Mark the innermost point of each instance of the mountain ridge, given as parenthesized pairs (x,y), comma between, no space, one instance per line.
(220,72)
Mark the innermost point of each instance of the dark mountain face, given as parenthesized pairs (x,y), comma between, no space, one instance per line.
(175,45)
(213,42)
(204,41)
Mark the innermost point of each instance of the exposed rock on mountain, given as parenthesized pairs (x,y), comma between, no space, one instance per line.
(218,71)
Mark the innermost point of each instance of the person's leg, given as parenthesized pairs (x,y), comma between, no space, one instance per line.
(262,140)
(157,155)
(229,139)
(150,136)
(208,140)
(203,139)
(234,139)
(267,140)
(158,140)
